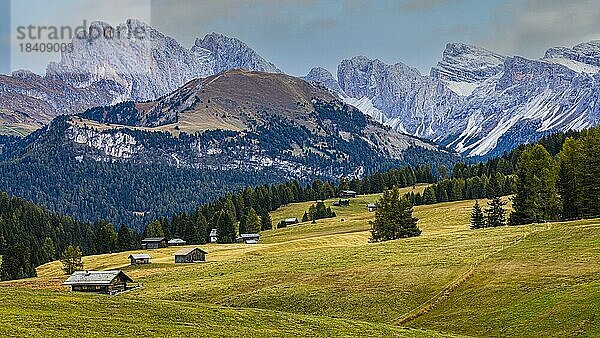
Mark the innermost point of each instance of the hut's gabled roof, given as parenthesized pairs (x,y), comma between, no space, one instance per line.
(153,239)
(185,252)
(176,241)
(139,256)
(244,236)
(96,277)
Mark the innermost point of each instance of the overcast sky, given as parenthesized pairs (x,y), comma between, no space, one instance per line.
(297,35)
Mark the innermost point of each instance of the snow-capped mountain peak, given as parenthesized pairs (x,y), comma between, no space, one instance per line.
(583,58)
(478,102)
(465,63)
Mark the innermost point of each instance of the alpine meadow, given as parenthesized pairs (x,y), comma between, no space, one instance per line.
(436,172)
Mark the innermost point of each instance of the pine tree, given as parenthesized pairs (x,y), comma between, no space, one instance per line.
(477,217)
(16,263)
(225,227)
(495,213)
(71,260)
(393,218)
(253,224)
(570,187)
(154,229)
(429,196)
(265,221)
(537,196)
(124,239)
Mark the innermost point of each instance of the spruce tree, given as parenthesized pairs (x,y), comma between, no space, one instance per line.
(124,239)
(537,196)
(265,221)
(154,229)
(393,218)
(590,172)
(253,224)
(16,263)
(495,212)
(570,187)
(477,217)
(105,238)
(225,227)
(429,196)
(71,259)
(49,250)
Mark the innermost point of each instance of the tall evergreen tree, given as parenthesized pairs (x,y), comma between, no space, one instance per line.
(495,212)
(16,263)
(154,229)
(105,238)
(429,196)
(393,218)
(590,172)
(225,227)
(49,250)
(253,224)
(477,217)
(265,221)
(570,187)
(71,260)
(124,239)
(537,196)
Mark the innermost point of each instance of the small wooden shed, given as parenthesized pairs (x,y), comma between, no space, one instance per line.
(348,194)
(248,238)
(137,259)
(111,281)
(291,221)
(154,243)
(194,255)
(341,202)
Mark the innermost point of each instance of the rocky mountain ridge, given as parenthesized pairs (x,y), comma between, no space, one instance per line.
(477,102)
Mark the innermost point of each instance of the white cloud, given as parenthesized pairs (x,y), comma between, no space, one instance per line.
(529,28)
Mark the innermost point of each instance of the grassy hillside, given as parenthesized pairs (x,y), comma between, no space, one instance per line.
(325,279)
(549,284)
(60,314)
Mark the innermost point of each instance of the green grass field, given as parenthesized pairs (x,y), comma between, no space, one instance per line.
(326,279)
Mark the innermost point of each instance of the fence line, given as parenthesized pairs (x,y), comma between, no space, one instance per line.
(454,284)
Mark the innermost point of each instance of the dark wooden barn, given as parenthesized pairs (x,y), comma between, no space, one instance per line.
(193,255)
(112,281)
(137,259)
(154,243)
(348,194)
